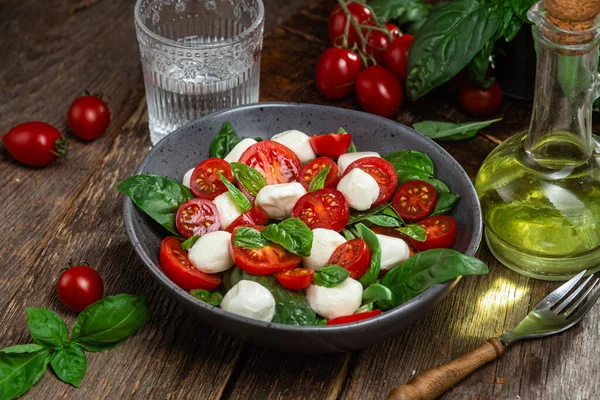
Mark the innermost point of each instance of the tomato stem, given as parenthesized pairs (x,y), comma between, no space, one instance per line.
(61,146)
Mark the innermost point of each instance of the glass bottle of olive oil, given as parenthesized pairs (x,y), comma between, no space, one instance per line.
(540,190)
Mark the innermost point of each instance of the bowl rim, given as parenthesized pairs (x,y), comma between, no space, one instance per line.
(430,295)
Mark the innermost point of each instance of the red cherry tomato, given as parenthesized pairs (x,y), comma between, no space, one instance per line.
(79,286)
(440,233)
(325,208)
(394,30)
(266,260)
(88,117)
(197,217)
(175,264)
(353,255)
(396,56)
(337,71)
(478,101)
(380,230)
(34,143)
(378,91)
(312,169)
(254,216)
(382,171)
(378,42)
(414,200)
(296,279)
(347,319)
(337,22)
(331,145)
(276,162)
(205,182)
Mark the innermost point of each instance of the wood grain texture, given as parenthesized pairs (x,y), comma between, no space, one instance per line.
(70,211)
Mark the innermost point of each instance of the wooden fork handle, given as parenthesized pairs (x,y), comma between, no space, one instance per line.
(432,383)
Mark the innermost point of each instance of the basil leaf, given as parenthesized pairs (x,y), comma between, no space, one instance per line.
(318,181)
(321,321)
(291,307)
(46,327)
(249,238)
(390,212)
(511,23)
(384,220)
(352,147)
(249,177)
(293,234)
(214,299)
(400,11)
(20,368)
(414,231)
(157,196)
(189,243)
(440,187)
(423,270)
(520,7)
(378,294)
(452,35)
(363,215)
(109,322)
(450,131)
(364,308)
(477,68)
(69,363)
(236,193)
(445,203)
(411,160)
(330,276)
(224,141)
(373,244)
(347,234)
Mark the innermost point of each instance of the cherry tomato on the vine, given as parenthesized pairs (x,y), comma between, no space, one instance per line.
(378,91)
(79,286)
(88,117)
(378,41)
(394,30)
(337,71)
(35,143)
(396,56)
(338,19)
(478,101)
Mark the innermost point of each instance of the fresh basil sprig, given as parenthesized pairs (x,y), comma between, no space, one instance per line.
(189,242)
(224,141)
(293,234)
(445,203)
(440,130)
(157,196)
(214,299)
(318,181)
(402,12)
(103,325)
(363,215)
(384,220)
(330,276)
(249,177)
(236,193)
(249,238)
(373,244)
(414,231)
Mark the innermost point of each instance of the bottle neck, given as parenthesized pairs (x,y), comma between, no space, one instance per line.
(560,133)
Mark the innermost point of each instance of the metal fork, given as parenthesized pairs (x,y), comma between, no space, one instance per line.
(557,312)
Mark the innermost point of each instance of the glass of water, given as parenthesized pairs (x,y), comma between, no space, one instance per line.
(198,56)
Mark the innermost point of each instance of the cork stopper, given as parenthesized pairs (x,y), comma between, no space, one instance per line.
(573,15)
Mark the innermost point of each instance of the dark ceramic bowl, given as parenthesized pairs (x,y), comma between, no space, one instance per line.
(187,146)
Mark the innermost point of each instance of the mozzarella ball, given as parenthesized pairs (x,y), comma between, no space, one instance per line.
(298,142)
(228,209)
(278,200)
(393,251)
(239,149)
(348,158)
(359,188)
(325,241)
(344,299)
(250,299)
(187,177)
(210,253)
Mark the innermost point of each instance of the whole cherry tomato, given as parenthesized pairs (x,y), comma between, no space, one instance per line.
(378,91)
(88,117)
(79,286)
(394,30)
(478,101)
(337,70)
(338,19)
(35,143)
(378,42)
(396,56)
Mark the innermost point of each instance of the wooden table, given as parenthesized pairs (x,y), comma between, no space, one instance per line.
(71,211)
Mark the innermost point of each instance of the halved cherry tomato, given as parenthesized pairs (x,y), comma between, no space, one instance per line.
(331,145)
(440,231)
(197,217)
(382,171)
(325,208)
(312,168)
(174,262)
(414,200)
(380,230)
(296,279)
(354,255)
(347,319)
(276,162)
(205,182)
(254,216)
(267,260)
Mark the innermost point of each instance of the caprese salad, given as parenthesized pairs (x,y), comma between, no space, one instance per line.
(304,230)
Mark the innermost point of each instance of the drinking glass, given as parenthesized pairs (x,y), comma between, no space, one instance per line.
(198,56)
